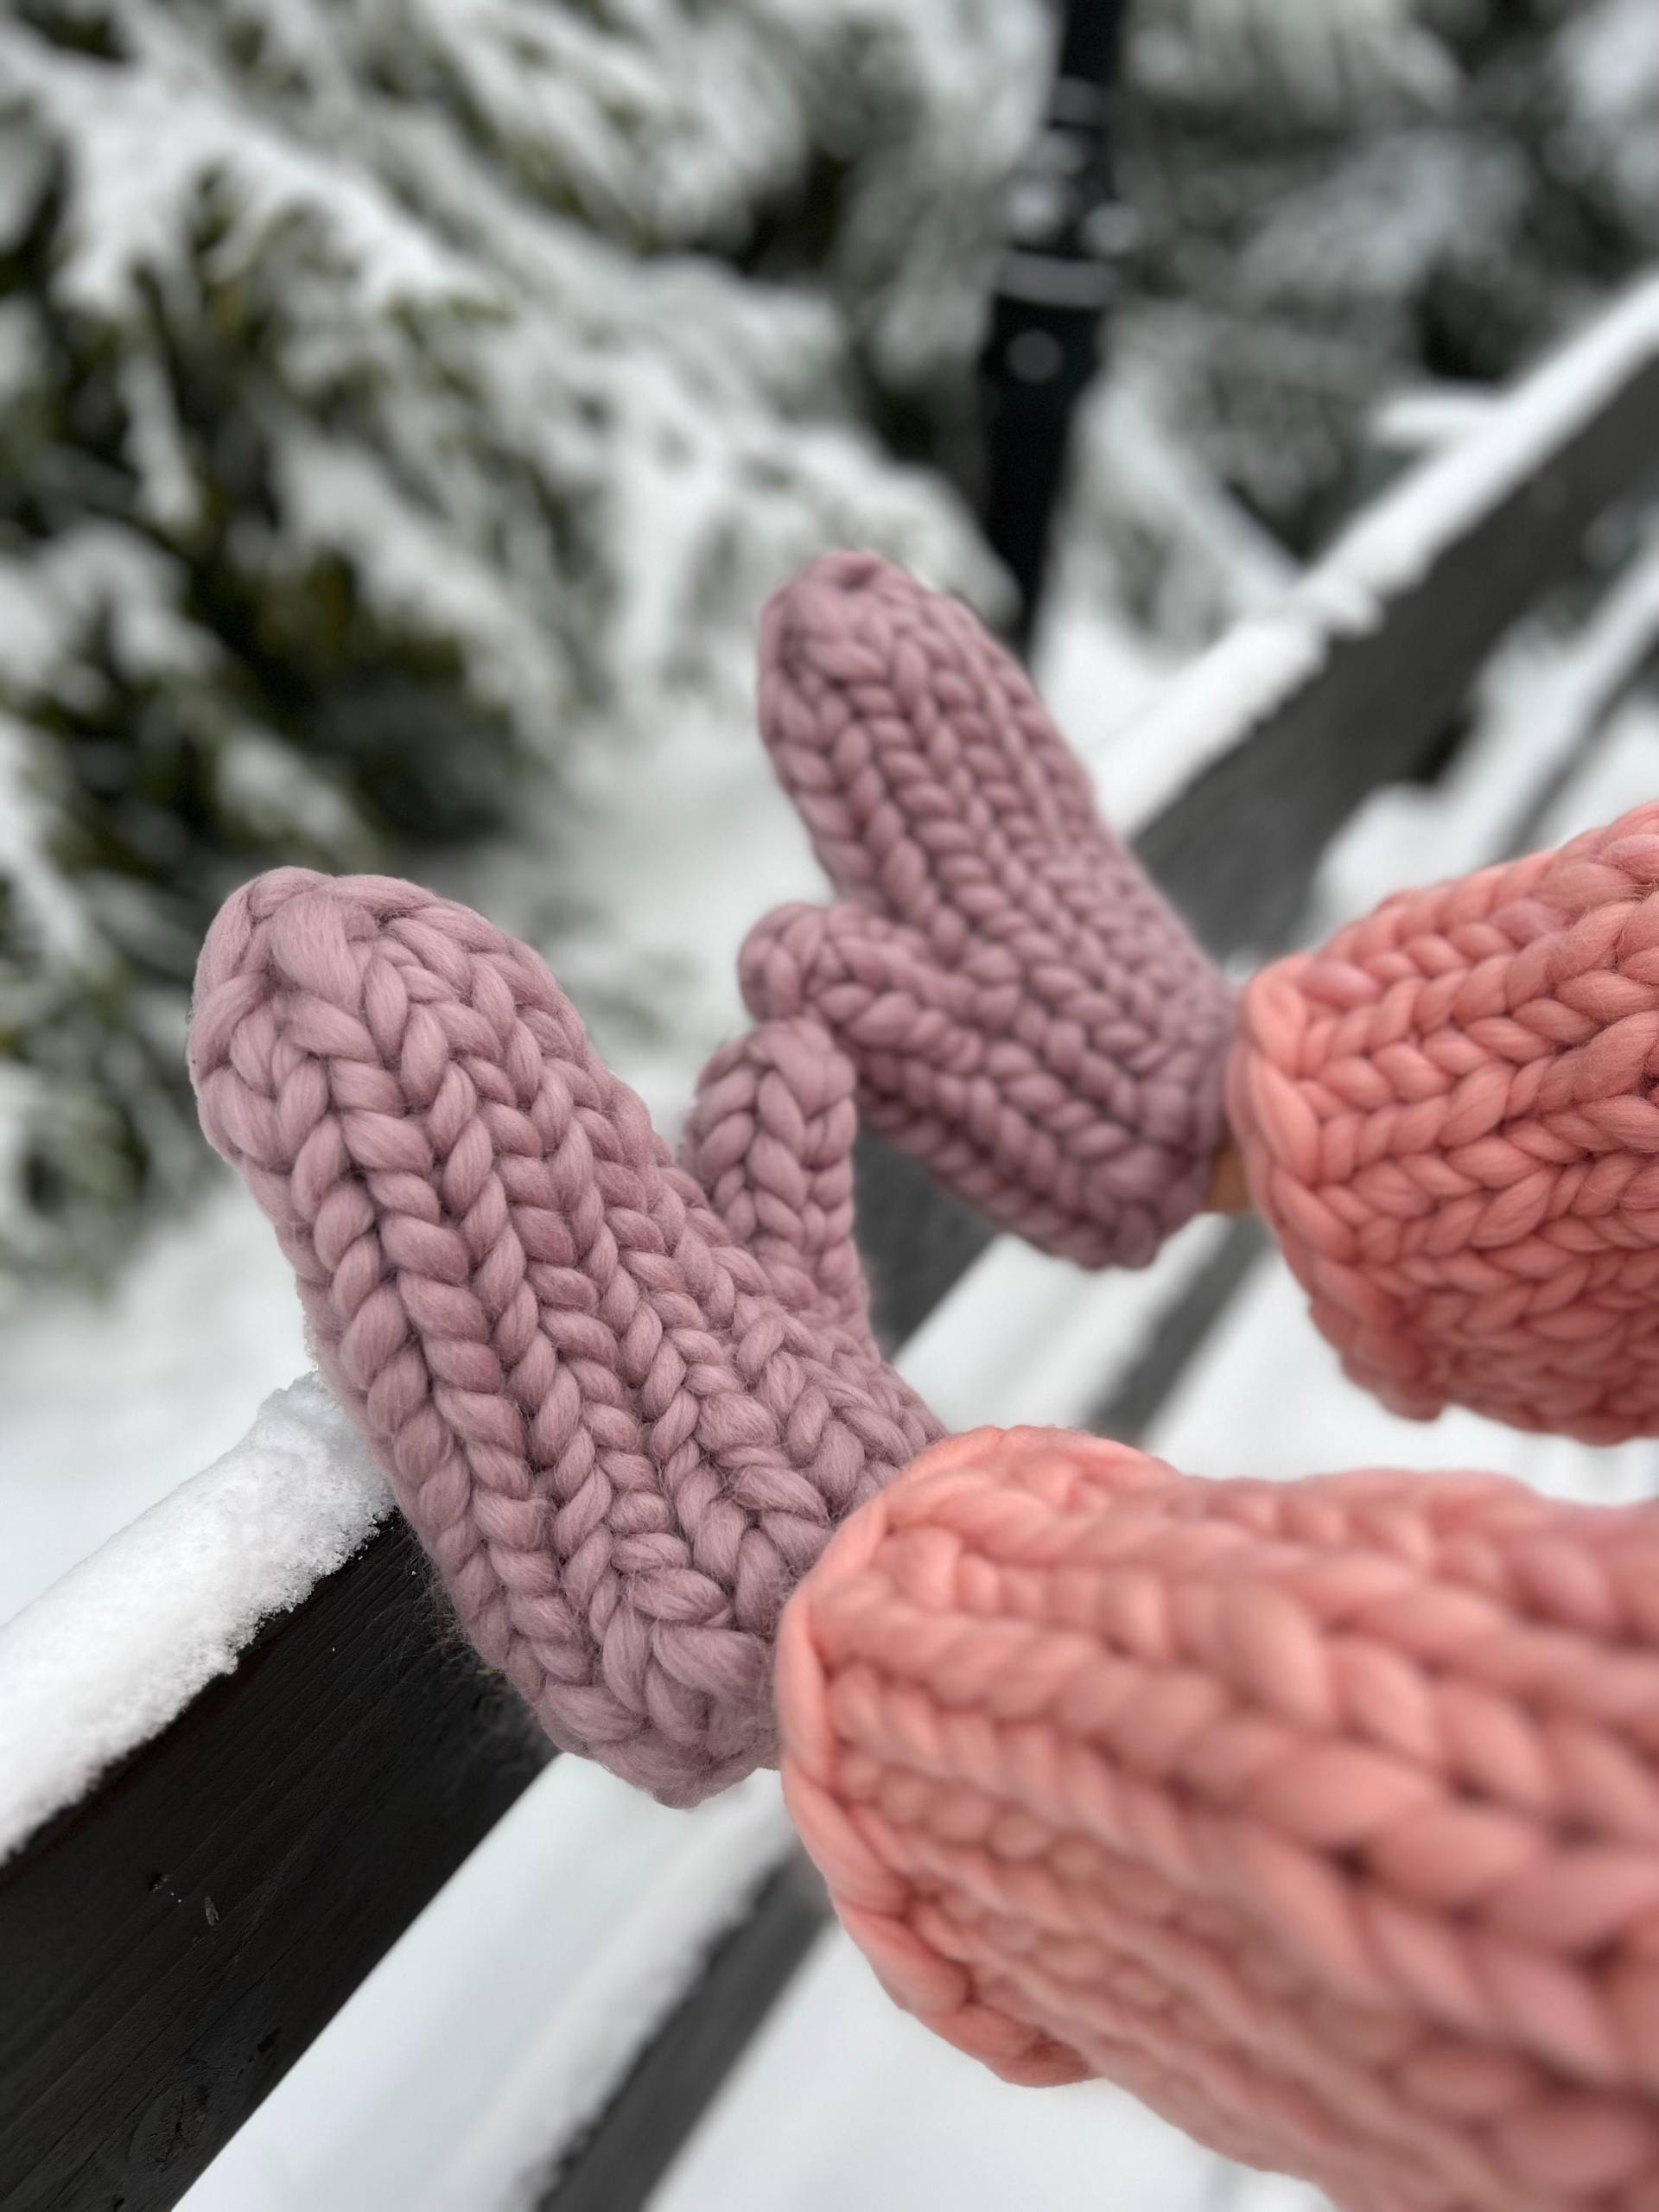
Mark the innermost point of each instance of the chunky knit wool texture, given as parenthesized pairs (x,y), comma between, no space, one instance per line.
(1449,1118)
(622,1403)
(1322,1816)
(1025,1013)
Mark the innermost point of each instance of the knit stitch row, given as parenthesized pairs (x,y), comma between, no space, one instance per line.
(1449,1117)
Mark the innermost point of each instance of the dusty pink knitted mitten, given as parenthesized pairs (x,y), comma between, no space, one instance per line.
(1025,1013)
(622,1403)
(1322,1816)
(1449,1118)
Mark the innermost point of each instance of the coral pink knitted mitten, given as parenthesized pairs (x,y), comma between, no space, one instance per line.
(622,1403)
(1448,1116)
(1025,1013)
(1322,1816)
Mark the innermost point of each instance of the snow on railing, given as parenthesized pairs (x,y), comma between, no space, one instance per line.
(102,1660)
(1618,642)
(1542,703)
(1387,550)
(1427,417)
(595,2027)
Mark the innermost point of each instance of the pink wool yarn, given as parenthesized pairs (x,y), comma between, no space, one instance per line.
(1448,1118)
(1025,1013)
(1321,1815)
(622,1403)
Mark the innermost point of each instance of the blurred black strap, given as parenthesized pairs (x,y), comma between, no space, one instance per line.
(1065,237)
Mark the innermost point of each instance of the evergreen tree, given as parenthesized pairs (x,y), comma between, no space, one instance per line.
(1334,203)
(396,392)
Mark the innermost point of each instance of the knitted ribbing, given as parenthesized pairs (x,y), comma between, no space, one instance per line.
(1322,1816)
(1449,1120)
(622,1422)
(1024,1011)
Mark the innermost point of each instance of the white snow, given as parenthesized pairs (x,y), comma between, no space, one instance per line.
(1266,658)
(1210,709)
(1622,771)
(418,571)
(111,1402)
(847,2101)
(1544,703)
(155,137)
(1364,233)
(519,1994)
(603,2017)
(1393,544)
(57,924)
(692,820)
(1321,66)
(1428,417)
(1023,1337)
(1607,66)
(1157,557)
(954,2129)
(110,1653)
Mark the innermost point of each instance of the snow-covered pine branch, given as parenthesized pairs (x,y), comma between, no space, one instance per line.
(385,412)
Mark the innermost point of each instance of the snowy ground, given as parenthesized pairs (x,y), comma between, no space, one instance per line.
(109,1403)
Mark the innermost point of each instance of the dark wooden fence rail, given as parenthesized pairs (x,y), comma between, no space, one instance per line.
(171,1945)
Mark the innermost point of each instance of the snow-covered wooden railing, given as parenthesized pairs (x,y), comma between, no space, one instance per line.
(238,1752)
